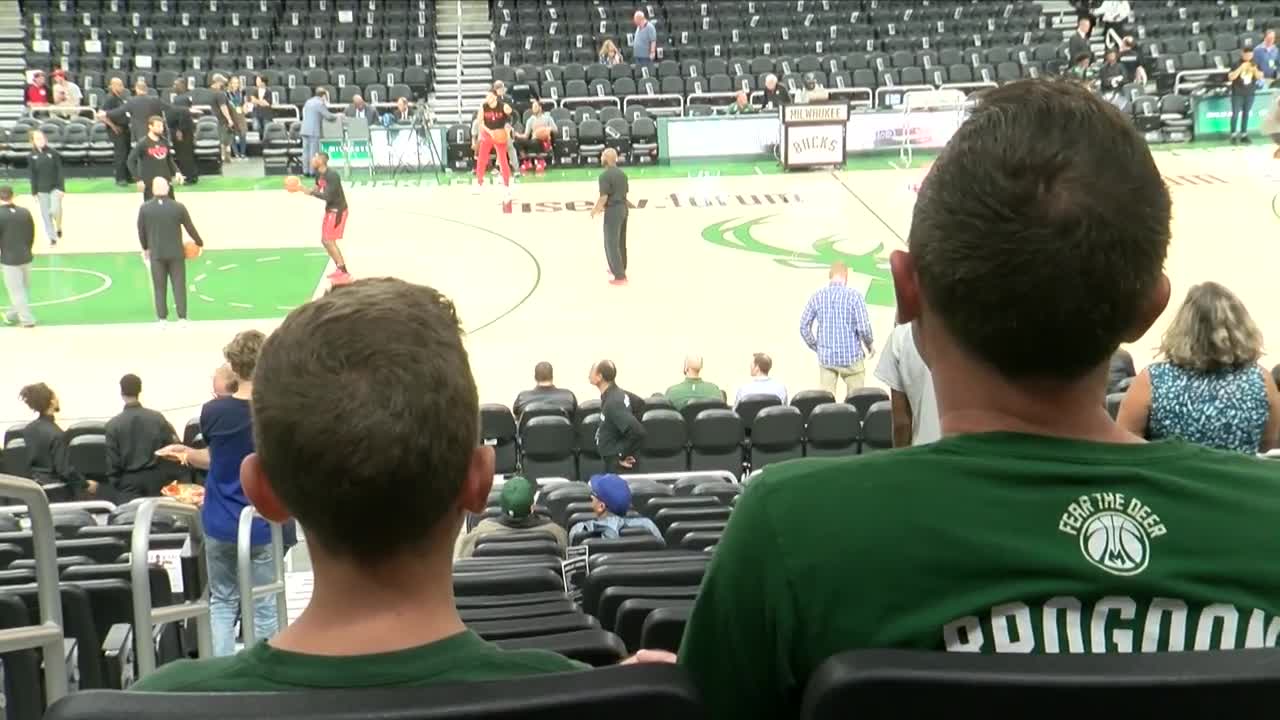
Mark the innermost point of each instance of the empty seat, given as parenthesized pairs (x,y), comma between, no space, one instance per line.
(877,427)
(833,430)
(695,407)
(663,629)
(716,438)
(749,406)
(498,428)
(776,436)
(664,443)
(667,516)
(863,398)
(631,615)
(806,400)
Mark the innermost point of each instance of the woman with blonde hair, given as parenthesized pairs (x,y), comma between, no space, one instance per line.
(1209,388)
(609,54)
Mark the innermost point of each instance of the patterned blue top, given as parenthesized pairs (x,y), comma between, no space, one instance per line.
(1226,409)
(844,326)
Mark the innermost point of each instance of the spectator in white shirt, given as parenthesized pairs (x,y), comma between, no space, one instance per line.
(915,410)
(1114,14)
(761,383)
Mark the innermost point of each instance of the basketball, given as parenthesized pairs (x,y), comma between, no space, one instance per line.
(543,134)
(191,250)
(499,137)
(292,183)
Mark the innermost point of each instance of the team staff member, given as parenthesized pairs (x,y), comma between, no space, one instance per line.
(620,434)
(494,116)
(119,136)
(329,188)
(182,128)
(160,224)
(133,437)
(613,203)
(153,158)
(17,237)
(47,184)
(139,110)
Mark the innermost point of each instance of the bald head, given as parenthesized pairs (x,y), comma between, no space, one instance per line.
(609,157)
(160,187)
(357,100)
(692,366)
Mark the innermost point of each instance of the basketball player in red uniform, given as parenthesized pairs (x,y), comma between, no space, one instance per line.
(494,117)
(329,188)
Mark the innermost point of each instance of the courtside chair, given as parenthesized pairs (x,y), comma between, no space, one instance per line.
(498,428)
(716,437)
(695,407)
(751,405)
(877,427)
(833,430)
(863,398)
(546,445)
(806,400)
(665,443)
(589,461)
(776,435)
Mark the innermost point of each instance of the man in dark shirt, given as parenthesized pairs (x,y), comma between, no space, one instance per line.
(775,94)
(613,203)
(1112,75)
(1079,43)
(133,437)
(17,237)
(47,445)
(160,224)
(182,125)
(545,390)
(153,158)
(620,434)
(119,134)
(329,188)
(138,110)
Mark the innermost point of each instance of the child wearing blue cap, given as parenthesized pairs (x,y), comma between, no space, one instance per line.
(611,501)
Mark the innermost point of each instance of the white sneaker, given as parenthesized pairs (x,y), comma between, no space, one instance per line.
(163,324)
(182,323)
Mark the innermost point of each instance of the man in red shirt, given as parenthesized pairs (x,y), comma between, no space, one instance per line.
(37,91)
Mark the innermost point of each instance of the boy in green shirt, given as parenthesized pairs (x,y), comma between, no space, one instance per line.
(1036,525)
(741,105)
(381,475)
(693,387)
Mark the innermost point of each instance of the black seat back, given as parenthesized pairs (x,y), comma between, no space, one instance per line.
(499,582)
(24,698)
(595,647)
(909,683)
(668,574)
(806,400)
(78,624)
(631,692)
(716,437)
(664,443)
(547,446)
(664,628)
(833,431)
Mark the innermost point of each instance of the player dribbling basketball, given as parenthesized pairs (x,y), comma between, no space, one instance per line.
(328,187)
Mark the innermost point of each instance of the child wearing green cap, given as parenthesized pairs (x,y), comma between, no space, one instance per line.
(516,500)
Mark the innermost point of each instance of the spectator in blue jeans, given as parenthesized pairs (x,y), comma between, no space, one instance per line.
(227,426)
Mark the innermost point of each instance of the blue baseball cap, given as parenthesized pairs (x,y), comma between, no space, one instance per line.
(613,491)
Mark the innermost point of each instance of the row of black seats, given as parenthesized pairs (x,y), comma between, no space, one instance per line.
(575,143)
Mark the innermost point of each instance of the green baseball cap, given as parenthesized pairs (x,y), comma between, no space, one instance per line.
(517,497)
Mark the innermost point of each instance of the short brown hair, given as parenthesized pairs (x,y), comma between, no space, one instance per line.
(542,372)
(1039,235)
(242,353)
(38,397)
(366,416)
(762,361)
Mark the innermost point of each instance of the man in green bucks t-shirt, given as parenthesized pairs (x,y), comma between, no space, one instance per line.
(1036,525)
(693,387)
(381,477)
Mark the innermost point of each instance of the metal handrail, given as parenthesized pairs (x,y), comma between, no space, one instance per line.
(592,100)
(898,89)
(48,635)
(244,575)
(145,617)
(90,506)
(853,93)
(637,99)
(1199,75)
(671,478)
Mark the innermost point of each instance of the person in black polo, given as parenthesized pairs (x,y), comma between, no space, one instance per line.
(620,434)
(545,390)
(133,437)
(48,447)
(613,203)
(160,224)
(119,133)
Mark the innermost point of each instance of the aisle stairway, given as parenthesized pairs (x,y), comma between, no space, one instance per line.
(464,59)
(13,66)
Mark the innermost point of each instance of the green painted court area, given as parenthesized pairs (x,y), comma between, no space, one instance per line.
(101,288)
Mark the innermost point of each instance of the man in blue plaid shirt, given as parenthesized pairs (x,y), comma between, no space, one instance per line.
(844,330)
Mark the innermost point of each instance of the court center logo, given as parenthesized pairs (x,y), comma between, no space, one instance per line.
(744,235)
(1115,533)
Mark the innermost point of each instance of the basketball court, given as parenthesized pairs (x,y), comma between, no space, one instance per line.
(721,262)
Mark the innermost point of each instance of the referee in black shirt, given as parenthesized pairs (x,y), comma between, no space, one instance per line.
(613,203)
(160,224)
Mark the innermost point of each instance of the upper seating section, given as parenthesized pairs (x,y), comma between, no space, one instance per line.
(306,43)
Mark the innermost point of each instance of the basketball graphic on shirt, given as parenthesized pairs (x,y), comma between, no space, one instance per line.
(1116,543)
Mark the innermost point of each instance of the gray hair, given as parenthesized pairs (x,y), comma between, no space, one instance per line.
(1211,331)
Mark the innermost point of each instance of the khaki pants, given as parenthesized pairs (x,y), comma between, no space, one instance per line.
(854,377)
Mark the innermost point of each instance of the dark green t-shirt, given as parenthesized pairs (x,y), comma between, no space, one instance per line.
(613,185)
(688,390)
(458,658)
(985,543)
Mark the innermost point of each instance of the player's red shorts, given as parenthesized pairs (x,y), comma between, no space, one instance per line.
(334,223)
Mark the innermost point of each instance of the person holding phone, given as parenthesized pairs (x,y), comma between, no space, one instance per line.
(1244,82)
